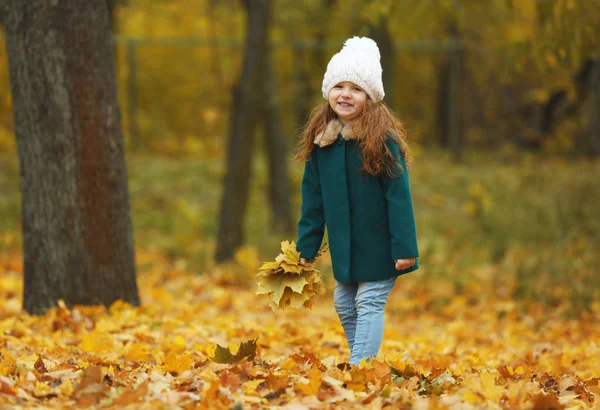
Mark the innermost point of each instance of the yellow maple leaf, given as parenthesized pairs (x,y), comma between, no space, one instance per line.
(277,285)
(8,364)
(66,388)
(358,381)
(289,250)
(489,388)
(119,306)
(272,272)
(178,344)
(250,386)
(292,268)
(96,341)
(289,283)
(137,352)
(470,397)
(177,364)
(42,390)
(293,299)
(269,266)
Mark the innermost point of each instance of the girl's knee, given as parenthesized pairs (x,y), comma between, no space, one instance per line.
(374,295)
(344,308)
(376,305)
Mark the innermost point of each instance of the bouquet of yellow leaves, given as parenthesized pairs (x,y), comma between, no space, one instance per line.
(287,282)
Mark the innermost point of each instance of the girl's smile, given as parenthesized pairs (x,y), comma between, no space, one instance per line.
(347,100)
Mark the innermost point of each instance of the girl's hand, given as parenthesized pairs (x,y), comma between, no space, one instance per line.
(305,261)
(402,264)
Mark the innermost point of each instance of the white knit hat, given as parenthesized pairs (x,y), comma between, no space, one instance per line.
(357,62)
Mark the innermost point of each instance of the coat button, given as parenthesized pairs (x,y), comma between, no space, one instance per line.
(340,139)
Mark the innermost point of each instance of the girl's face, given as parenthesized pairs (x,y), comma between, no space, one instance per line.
(347,100)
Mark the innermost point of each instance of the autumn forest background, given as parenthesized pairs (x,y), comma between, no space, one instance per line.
(501,100)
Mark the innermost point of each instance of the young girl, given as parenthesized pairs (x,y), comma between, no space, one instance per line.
(356,182)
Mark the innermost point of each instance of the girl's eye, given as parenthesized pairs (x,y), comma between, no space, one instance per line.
(337,86)
(357,89)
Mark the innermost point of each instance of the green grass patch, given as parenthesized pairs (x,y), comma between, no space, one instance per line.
(534,221)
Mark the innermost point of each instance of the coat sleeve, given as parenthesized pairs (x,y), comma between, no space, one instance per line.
(311,226)
(400,209)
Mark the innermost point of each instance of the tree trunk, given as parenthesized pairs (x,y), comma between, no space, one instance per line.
(594,114)
(77,234)
(245,109)
(3,12)
(449,97)
(443,101)
(303,89)
(111,13)
(276,152)
(381,35)
(309,61)
(455,95)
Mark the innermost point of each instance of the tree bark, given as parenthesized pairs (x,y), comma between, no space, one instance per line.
(77,233)
(455,138)
(314,60)
(3,12)
(303,89)
(450,97)
(246,107)
(111,12)
(381,35)
(594,120)
(275,146)
(443,101)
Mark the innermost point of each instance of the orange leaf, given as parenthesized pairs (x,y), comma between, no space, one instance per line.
(311,388)
(275,382)
(546,401)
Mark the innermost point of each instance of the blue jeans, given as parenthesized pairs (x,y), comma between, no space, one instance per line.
(360,309)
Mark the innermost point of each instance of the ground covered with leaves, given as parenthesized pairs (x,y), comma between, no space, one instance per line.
(203,341)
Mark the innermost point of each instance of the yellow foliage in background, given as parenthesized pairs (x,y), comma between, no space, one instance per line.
(177,64)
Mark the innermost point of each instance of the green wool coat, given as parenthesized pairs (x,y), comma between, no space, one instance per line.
(370,219)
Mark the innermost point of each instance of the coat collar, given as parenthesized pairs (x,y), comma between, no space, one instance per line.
(330,135)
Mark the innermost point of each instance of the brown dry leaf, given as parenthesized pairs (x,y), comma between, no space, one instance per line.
(132,395)
(91,375)
(247,350)
(546,401)
(40,366)
(230,380)
(90,389)
(307,357)
(382,370)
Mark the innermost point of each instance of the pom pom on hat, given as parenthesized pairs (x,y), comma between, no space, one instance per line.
(358,62)
(364,44)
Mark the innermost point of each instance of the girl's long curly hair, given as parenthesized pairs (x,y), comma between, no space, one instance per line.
(372,127)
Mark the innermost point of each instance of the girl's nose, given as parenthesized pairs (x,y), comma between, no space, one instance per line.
(346,92)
